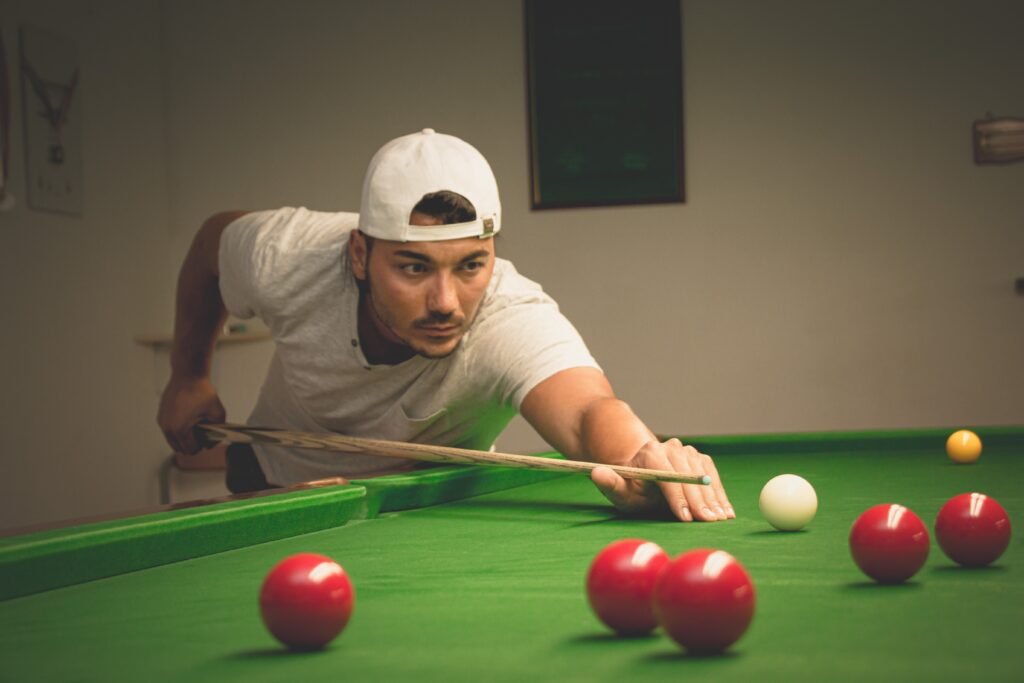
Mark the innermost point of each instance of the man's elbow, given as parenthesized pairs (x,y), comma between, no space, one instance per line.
(206,244)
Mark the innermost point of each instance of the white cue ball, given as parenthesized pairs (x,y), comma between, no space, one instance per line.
(788,502)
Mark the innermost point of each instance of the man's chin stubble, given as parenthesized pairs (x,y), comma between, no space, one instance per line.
(426,353)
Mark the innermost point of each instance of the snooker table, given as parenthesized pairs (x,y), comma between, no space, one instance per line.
(468,573)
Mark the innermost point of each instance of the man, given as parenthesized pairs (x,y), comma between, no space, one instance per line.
(401,323)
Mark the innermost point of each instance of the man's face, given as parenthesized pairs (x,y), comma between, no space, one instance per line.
(425,295)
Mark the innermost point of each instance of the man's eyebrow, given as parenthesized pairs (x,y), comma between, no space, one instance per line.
(417,256)
(475,255)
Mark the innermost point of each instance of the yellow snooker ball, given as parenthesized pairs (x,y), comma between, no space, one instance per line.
(963,446)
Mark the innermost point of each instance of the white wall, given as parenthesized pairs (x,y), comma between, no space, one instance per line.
(77,432)
(840,262)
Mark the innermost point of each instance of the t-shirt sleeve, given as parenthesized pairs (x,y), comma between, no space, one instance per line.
(272,262)
(238,258)
(528,339)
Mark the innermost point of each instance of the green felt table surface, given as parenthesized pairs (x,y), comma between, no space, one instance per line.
(490,587)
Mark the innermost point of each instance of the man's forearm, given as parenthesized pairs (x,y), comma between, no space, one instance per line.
(610,432)
(577,413)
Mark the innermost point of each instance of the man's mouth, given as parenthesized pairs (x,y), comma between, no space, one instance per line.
(439,331)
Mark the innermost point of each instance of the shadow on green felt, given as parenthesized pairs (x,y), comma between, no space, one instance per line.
(685,655)
(874,585)
(606,637)
(627,521)
(776,532)
(561,506)
(274,652)
(598,513)
(958,569)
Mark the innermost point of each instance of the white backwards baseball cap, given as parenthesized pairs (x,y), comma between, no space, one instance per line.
(409,167)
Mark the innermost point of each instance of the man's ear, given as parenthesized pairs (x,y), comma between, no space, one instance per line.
(358,254)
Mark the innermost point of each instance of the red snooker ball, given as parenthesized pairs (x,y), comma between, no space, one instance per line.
(972,529)
(306,600)
(620,582)
(889,543)
(704,599)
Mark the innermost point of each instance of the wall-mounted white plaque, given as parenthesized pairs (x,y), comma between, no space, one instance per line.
(52,103)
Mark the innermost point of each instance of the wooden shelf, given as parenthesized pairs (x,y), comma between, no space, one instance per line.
(158,341)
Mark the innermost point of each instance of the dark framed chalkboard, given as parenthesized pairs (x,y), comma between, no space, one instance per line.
(605,87)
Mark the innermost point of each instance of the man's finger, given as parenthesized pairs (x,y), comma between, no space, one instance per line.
(653,457)
(188,442)
(676,499)
(699,462)
(611,485)
(674,494)
(694,495)
(172,441)
(202,437)
(716,485)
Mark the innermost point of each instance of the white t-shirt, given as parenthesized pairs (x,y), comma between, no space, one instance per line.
(291,268)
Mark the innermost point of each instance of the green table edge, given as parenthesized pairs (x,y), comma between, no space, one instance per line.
(44,560)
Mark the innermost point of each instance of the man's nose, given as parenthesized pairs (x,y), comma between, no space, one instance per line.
(443,298)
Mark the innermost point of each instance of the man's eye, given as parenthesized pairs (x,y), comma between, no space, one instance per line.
(414,268)
(472,265)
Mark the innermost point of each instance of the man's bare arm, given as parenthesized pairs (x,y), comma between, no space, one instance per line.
(199,316)
(577,412)
(577,408)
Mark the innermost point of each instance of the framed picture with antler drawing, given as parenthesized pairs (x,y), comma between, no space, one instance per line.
(52,108)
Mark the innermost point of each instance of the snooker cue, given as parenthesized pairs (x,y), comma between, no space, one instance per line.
(339,443)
